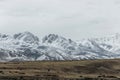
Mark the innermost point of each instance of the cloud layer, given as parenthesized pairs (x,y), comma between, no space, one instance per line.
(72,18)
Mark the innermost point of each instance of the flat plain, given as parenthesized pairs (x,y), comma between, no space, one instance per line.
(60,69)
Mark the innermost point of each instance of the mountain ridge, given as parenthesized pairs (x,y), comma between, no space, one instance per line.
(28,47)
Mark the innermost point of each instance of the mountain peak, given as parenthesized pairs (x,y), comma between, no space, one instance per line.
(3,35)
(27,32)
(117,35)
(53,36)
(27,37)
(50,38)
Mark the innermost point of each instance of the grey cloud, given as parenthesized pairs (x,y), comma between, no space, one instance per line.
(73,18)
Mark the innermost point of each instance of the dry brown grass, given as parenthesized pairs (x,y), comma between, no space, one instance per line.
(91,68)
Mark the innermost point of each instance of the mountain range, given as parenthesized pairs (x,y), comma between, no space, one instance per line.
(28,47)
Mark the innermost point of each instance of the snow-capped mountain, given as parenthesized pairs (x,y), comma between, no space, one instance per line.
(26,46)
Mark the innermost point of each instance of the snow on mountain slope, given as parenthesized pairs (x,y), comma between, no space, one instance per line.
(58,41)
(26,46)
(27,37)
(110,43)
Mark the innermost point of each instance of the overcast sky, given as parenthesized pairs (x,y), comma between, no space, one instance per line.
(74,19)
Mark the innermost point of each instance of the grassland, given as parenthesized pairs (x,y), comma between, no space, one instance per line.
(61,69)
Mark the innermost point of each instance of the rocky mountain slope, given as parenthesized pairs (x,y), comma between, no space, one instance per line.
(26,46)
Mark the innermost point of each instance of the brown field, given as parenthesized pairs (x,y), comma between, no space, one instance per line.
(61,69)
